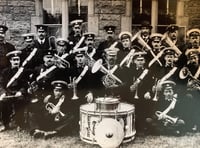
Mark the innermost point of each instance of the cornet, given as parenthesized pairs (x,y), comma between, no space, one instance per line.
(167,118)
(50,106)
(75,97)
(60,62)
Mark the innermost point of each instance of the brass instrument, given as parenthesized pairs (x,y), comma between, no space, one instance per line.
(98,66)
(128,59)
(74,85)
(61,62)
(136,91)
(155,98)
(170,43)
(50,106)
(193,82)
(167,118)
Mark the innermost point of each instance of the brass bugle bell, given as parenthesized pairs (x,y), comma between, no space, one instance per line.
(167,117)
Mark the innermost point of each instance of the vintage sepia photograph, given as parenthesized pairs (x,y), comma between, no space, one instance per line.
(99,73)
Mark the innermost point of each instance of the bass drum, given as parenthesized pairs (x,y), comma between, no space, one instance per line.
(90,119)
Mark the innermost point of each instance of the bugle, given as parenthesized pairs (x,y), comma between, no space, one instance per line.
(74,85)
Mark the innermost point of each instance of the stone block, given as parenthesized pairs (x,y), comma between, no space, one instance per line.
(105,23)
(109,17)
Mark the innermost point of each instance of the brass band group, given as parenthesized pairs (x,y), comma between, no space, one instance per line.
(43,84)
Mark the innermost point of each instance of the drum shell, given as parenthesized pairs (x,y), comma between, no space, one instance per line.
(90,117)
(106,104)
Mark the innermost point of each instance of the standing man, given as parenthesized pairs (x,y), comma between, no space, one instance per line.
(41,42)
(76,33)
(5,47)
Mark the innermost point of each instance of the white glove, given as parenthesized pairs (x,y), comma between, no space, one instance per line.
(2,96)
(89,97)
(18,94)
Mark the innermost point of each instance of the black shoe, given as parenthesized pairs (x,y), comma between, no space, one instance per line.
(38,134)
(49,134)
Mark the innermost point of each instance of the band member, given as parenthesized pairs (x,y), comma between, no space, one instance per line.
(41,42)
(165,119)
(193,38)
(5,47)
(56,116)
(140,86)
(145,30)
(76,33)
(62,46)
(13,97)
(156,43)
(125,39)
(29,46)
(90,43)
(110,40)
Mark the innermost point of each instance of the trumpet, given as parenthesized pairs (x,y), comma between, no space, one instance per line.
(136,91)
(128,58)
(50,106)
(74,85)
(167,118)
(155,98)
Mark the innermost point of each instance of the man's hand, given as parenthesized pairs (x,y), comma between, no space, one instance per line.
(89,97)
(147,96)
(135,85)
(55,110)
(18,94)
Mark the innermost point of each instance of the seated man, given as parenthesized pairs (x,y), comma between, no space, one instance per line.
(166,118)
(56,116)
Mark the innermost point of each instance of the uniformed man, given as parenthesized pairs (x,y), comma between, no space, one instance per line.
(110,40)
(165,119)
(62,46)
(172,32)
(29,46)
(193,38)
(76,33)
(42,41)
(90,43)
(145,28)
(14,94)
(57,113)
(156,43)
(5,47)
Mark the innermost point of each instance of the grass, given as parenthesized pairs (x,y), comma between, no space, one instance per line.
(14,139)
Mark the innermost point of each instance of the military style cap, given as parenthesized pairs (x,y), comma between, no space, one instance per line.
(80,51)
(49,52)
(111,51)
(89,35)
(193,32)
(172,28)
(146,24)
(59,84)
(168,84)
(41,27)
(28,37)
(139,54)
(76,22)
(156,36)
(192,52)
(125,35)
(110,29)
(61,41)
(15,53)
(169,51)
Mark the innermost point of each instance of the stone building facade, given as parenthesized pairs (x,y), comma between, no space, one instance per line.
(21,15)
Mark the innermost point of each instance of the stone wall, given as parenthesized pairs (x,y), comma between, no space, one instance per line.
(192,10)
(16,14)
(109,12)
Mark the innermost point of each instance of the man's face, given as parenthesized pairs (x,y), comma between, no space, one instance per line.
(89,42)
(168,93)
(170,59)
(139,62)
(111,59)
(77,29)
(48,60)
(57,93)
(173,35)
(156,44)
(110,36)
(126,43)
(80,59)
(41,34)
(29,44)
(61,49)
(15,62)
(145,32)
(194,41)
(194,60)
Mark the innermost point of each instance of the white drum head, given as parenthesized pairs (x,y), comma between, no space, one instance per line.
(109,133)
